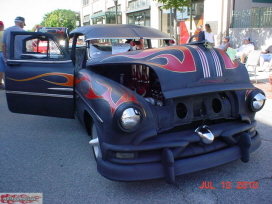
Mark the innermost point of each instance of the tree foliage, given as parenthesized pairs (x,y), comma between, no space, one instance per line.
(60,18)
(176,4)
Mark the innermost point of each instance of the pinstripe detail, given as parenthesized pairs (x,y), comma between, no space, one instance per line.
(40,62)
(40,94)
(204,61)
(218,66)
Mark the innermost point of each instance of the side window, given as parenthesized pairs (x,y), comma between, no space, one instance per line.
(80,42)
(40,47)
(77,51)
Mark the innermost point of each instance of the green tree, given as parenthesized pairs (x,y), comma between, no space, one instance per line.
(175,5)
(60,18)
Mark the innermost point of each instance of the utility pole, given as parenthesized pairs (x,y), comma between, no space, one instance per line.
(115,3)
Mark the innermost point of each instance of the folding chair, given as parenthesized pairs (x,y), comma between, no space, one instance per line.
(231,53)
(270,80)
(253,61)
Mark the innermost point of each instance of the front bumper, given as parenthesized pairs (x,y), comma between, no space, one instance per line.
(240,143)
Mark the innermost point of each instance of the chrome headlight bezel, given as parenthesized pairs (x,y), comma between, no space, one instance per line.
(256,100)
(129,117)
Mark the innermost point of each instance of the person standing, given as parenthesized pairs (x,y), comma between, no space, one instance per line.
(2,62)
(19,25)
(209,36)
(197,31)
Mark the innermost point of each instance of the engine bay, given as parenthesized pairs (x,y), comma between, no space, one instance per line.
(140,78)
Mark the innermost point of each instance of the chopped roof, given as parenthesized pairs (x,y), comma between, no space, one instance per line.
(119,31)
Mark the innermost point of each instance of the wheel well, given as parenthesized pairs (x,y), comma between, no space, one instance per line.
(88,122)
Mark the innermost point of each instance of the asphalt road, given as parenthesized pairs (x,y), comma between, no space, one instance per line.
(52,156)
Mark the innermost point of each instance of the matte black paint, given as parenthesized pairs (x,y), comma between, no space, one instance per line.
(165,144)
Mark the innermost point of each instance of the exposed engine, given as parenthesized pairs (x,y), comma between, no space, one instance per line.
(145,83)
(139,78)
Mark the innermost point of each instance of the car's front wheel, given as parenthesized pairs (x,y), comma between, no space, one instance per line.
(95,142)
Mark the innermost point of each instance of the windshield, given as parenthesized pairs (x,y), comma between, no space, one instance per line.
(102,47)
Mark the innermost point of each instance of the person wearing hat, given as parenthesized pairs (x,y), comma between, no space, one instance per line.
(2,62)
(19,25)
(244,50)
(225,43)
(197,31)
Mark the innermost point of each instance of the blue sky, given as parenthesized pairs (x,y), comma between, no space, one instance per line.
(33,10)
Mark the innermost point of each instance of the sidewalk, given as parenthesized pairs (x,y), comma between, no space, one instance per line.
(262,81)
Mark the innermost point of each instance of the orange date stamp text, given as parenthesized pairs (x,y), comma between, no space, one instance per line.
(231,185)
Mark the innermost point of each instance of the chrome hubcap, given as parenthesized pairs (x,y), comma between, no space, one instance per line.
(95,143)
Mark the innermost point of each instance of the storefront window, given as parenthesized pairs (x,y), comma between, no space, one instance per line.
(166,22)
(139,18)
(131,20)
(111,15)
(86,20)
(138,4)
(107,17)
(98,20)
(183,21)
(193,10)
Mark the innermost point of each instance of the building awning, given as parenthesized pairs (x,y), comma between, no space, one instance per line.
(105,13)
(138,9)
(98,14)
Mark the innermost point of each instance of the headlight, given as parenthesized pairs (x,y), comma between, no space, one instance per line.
(130,118)
(256,100)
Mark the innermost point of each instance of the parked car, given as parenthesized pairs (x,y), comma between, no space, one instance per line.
(151,113)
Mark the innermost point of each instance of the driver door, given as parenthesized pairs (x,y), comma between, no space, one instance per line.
(39,76)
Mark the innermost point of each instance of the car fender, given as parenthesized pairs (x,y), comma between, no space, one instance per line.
(103,98)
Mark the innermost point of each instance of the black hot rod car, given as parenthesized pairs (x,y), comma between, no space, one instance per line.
(151,112)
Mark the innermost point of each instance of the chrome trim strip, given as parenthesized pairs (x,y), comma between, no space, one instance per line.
(39,94)
(83,99)
(44,62)
(61,89)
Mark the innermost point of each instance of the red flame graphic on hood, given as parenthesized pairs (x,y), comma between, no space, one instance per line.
(173,63)
(107,95)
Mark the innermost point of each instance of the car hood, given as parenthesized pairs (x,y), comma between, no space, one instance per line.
(187,69)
